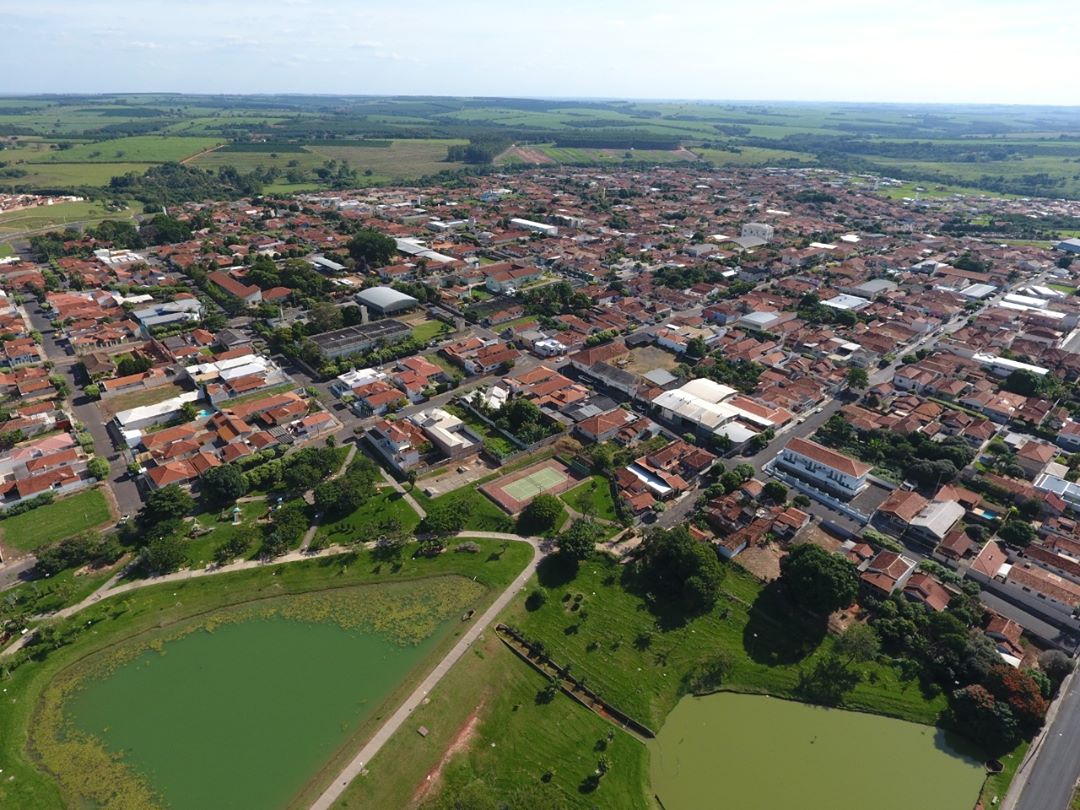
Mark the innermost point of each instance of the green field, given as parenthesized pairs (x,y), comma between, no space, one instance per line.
(154,614)
(483,514)
(592,498)
(141,149)
(47,216)
(1001,149)
(637,661)
(429,330)
(58,520)
(384,513)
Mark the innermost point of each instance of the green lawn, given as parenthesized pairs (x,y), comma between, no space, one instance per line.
(428,330)
(6,250)
(592,497)
(997,785)
(159,608)
(364,524)
(637,660)
(57,520)
(200,550)
(484,516)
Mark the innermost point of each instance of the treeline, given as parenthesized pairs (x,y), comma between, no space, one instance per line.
(172,183)
(478,150)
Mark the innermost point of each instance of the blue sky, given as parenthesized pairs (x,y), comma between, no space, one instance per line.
(1008,51)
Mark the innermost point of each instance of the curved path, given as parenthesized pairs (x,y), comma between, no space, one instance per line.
(399,717)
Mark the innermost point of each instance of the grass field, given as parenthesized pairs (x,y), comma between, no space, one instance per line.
(364,524)
(63,518)
(637,661)
(159,608)
(6,250)
(429,330)
(47,216)
(200,550)
(592,498)
(483,514)
(71,175)
(513,741)
(136,399)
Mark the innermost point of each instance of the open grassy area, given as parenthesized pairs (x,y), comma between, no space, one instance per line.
(71,175)
(63,518)
(484,515)
(997,785)
(200,549)
(364,524)
(162,608)
(429,329)
(637,660)
(592,497)
(513,741)
(6,250)
(46,216)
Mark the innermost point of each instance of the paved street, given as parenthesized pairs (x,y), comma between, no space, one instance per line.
(1047,778)
(126,491)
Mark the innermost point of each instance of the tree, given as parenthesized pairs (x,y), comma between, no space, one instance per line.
(540,516)
(675,567)
(238,545)
(857,644)
(290,522)
(857,377)
(696,347)
(1057,665)
(444,518)
(371,248)
(818,580)
(133,364)
(188,412)
(974,711)
(775,492)
(302,476)
(93,390)
(167,503)
(325,316)
(98,468)
(578,541)
(221,486)
(1022,694)
(164,554)
(1017,533)
(1024,382)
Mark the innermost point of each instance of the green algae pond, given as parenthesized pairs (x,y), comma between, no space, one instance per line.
(245,715)
(748,752)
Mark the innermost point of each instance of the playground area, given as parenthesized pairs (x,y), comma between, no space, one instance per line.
(513,492)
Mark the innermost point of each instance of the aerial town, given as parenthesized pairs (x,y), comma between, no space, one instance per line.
(794,396)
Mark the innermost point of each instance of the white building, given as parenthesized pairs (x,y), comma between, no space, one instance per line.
(824,468)
(757,230)
(535,227)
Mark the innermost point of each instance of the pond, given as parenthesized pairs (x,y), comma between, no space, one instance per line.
(748,752)
(245,715)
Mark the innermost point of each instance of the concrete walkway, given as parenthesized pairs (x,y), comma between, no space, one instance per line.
(399,717)
(409,499)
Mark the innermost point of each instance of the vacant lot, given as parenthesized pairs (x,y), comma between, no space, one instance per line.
(58,520)
(592,498)
(136,399)
(646,358)
(402,160)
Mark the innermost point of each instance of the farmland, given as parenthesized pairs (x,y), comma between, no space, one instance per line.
(82,141)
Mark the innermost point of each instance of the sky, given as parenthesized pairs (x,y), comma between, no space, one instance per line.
(936,51)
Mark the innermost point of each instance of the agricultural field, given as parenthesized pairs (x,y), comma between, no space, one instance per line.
(1000,149)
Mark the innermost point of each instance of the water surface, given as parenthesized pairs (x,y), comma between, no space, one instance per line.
(243,716)
(748,752)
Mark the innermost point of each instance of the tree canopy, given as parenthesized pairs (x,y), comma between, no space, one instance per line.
(676,568)
(818,580)
(540,516)
(371,248)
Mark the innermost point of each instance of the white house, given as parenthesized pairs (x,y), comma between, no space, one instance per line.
(824,468)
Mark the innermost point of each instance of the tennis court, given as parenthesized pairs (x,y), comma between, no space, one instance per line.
(533,484)
(513,492)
